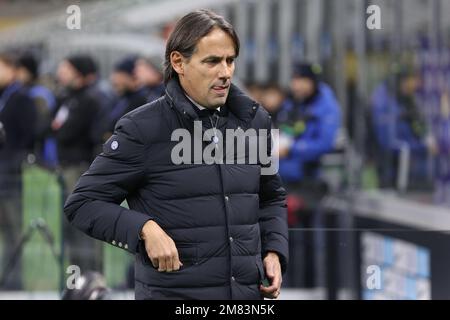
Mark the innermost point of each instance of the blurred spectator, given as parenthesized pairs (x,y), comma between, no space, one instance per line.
(127,89)
(150,78)
(397,123)
(102,92)
(309,120)
(75,128)
(272,98)
(255,91)
(45,102)
(18,116)
(74,120)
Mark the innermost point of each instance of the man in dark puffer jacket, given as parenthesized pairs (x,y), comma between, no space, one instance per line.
(198,230)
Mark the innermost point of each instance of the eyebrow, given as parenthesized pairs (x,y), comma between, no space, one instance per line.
(218,58)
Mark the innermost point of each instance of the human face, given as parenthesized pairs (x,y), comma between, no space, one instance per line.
(122,82)
(206,75)
(23,75)
(146,75)
(410,85)
(272,99)
(68,76)
(7,74)
(302,88)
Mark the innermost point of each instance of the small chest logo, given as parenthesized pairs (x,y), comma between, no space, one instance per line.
(114,145)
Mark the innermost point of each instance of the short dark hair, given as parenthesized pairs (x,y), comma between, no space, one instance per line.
(29,63)
(83,63)
(189,30)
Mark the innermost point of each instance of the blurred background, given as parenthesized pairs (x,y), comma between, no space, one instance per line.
(360,95)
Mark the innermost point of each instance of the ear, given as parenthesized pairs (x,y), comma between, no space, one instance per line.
(177,61)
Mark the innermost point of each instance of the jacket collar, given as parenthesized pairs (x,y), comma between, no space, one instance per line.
(241,105)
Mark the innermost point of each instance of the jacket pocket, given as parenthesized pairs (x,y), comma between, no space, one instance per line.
(188,253)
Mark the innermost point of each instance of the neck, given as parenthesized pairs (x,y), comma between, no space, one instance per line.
(198,105)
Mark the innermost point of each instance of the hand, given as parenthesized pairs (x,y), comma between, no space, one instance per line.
(160,248)
(272,268)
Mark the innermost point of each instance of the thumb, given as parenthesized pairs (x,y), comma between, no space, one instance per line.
(269,270)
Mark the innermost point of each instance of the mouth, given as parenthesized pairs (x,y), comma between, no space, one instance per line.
(220,90)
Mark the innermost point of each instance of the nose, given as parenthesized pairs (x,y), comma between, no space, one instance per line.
(225,71)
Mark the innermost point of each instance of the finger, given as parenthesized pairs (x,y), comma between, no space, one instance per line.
(273,295)
(274,289)
(276,294)
(270,295)
(170,259)
(268,290)
(177,263)
(276,281)
(174,263)
(162,265)
(169,264)
(155,262)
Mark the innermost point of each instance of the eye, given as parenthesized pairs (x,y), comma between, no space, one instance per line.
(212,61)
(230,60)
